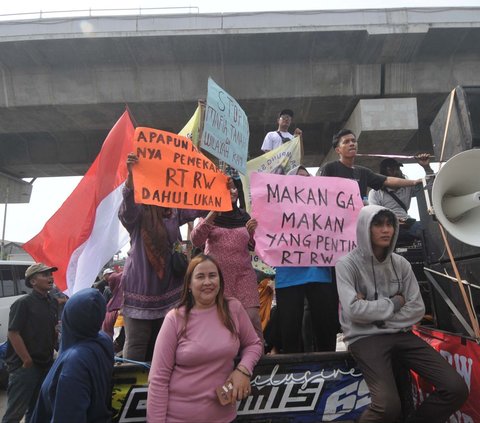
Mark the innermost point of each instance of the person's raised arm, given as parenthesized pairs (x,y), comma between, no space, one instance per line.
(251,225)
(132,159)
(199,234)
(423,160)
(298,133)
(393,182)
(129,211)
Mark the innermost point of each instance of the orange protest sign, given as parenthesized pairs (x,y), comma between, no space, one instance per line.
(171,172)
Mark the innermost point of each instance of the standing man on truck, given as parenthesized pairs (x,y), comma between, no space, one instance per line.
(275,139)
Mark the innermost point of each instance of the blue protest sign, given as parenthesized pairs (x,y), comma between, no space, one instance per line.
(225,130)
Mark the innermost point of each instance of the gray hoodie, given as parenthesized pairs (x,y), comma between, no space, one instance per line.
(359,272)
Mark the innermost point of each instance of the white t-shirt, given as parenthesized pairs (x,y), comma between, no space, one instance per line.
(273,140)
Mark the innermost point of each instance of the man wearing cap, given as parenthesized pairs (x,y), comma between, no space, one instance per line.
(345,145)
(31,339)
(398,200)
(111,278)
(275,139)
(103,283)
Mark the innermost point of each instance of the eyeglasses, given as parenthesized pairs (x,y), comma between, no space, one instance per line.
(286,117)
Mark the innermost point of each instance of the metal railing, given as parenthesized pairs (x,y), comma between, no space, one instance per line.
(81,13)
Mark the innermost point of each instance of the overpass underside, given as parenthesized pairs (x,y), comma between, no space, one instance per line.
(385,74)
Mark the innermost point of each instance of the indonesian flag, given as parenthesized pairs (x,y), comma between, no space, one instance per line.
(85,232)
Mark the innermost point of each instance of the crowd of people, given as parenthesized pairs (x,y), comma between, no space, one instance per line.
(194,323)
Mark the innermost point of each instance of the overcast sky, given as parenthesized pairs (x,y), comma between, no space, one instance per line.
(26,220)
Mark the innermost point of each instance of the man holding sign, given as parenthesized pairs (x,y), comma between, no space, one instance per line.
(174,182)
(304,221)
(308,223)
(275,139)
(292,286)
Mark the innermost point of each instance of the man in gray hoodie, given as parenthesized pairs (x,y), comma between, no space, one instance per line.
(380,301)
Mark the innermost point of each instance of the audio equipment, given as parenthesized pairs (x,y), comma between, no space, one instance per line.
(456,197)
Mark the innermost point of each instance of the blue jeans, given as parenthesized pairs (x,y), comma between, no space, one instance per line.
(23,389)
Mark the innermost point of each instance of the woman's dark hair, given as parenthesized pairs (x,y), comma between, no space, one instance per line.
(188,301)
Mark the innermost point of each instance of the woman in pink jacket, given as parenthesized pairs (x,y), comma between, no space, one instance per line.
(195,352)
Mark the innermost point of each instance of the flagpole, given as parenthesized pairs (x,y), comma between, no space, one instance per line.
(201,104)
(2,249)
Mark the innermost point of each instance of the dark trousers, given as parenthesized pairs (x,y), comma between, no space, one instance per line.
(323,303)
(140,337)
(375,355)
(22,393)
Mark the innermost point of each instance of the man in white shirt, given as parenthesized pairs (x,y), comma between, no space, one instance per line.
(275,139)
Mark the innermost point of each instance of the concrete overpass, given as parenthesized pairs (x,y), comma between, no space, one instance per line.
(65,81)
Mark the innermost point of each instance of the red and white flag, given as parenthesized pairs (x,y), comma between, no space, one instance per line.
(85,232)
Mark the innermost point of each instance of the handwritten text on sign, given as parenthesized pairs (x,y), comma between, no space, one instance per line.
(304,221)
(225,131)
(171,172)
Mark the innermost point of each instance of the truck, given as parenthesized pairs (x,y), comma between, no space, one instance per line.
(326,387)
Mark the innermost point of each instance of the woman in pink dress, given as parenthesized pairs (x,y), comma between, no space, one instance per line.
(195,351)
(228,237)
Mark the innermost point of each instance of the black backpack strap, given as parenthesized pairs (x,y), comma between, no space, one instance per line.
(284,139)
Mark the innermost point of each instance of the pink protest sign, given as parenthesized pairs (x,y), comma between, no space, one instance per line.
(304,221)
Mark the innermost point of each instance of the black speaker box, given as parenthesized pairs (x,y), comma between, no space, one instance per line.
(464,126)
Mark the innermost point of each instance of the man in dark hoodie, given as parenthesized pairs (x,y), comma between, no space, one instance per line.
(380,302)
(78,386)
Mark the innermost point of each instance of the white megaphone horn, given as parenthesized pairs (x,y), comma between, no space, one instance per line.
(456,197)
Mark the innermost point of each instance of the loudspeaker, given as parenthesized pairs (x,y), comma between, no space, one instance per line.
(464,127)
(456,197)
(434,247)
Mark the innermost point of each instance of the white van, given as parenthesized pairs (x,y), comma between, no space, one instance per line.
(12,287)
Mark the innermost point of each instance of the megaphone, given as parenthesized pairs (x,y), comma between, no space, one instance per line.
(456,197)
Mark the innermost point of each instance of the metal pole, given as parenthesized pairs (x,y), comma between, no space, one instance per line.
(2,249)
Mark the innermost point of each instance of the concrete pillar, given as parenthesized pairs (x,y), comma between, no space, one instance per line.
(14,190)
(383,126)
